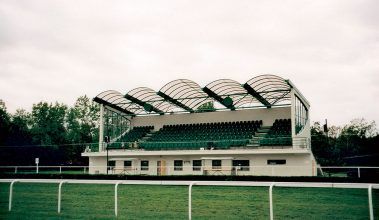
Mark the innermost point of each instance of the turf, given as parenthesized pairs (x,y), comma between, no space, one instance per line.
(39,201)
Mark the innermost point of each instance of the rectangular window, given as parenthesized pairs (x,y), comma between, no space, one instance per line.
(178,165)
(144,165)
(196,165)
(276,162)
(216,164)
(111,164)
(243,165)
(127,164)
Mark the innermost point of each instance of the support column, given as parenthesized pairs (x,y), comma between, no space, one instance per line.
(101,128)
(293,117)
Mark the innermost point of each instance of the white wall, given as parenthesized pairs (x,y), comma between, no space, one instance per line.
(268,117)
(296,165)
(97,165)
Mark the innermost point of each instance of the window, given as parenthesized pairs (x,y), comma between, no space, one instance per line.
(216,164)
(111,164)
(243,165)
(128,164)
(144,165)
(196,165)
(178,165)
(301,115)
(276,162)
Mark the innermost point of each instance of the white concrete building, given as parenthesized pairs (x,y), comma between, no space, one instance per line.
(258,128)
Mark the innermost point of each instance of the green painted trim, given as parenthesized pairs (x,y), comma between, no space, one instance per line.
(256,95)
(175,101)
(225,102)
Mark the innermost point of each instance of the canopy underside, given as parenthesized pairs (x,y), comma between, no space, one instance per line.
(184,95)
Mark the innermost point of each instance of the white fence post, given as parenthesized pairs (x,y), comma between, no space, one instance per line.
(15,169)
(271,202)
(359,172)
(11,194)
(60,195)
(60,169)
(115,198)
(371,209)
(190,199)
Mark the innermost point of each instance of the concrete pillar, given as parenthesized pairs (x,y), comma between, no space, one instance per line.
(101,128)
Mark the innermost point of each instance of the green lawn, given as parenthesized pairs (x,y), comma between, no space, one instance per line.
(39,201)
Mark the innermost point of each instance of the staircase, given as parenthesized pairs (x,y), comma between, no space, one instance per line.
(260,134)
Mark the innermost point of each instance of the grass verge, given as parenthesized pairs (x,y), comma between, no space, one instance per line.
(79,201)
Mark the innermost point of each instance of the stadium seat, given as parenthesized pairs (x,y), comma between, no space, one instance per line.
(195,136)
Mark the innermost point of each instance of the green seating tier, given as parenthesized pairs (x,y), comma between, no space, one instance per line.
(135,134)
(221,135)
(279,134)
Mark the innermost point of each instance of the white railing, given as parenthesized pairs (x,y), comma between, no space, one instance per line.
(224,144)
(301,143)
(333,169)
(271,170)
(38,169)
(190,185)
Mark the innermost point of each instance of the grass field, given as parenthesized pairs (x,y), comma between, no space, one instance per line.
(39,201)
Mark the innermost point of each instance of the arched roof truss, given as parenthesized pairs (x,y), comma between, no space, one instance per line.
(186,95)
(268,89)
(230,93)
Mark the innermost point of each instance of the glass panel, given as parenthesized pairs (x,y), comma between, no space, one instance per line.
(127,164)
(243,165)
(178,165)
(301,115)
(276,162)
(216,164)
(196,165)
(144,165)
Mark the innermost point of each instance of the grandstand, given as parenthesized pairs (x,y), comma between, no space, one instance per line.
(261,127)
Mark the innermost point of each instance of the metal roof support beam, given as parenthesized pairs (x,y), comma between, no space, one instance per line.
(218,98)
(100,101)
(175,102)
(143,104)
(256,95)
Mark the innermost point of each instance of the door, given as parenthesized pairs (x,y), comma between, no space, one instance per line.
(161,167)
(159,170)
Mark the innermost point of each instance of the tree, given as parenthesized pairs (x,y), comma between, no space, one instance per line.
(19,132)
(358,139)
(208,106)
(355,136)
(4,123)
(323,146)
(82,127)
(48,123)
(82,121)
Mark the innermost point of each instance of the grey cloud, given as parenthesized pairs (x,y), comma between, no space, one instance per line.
(59,50)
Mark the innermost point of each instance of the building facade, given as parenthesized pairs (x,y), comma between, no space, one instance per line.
(259,128)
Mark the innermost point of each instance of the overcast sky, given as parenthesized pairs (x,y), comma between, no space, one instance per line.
(60,50)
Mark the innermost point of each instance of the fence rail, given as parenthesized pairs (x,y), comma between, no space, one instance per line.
(339,171)
(190,185)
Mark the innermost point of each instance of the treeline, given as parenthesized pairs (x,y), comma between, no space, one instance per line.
(58,134)
(356,143)
(54,132)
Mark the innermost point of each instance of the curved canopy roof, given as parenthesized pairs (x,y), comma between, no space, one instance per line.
(183,95)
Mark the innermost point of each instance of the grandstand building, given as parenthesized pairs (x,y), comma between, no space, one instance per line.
(261,127)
